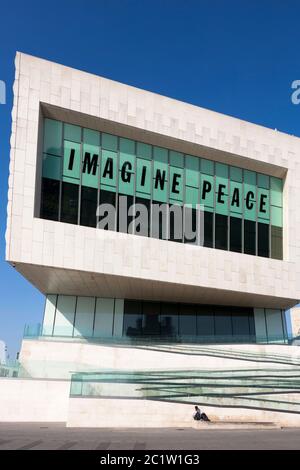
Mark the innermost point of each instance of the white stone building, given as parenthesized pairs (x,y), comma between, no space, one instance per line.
(79,140)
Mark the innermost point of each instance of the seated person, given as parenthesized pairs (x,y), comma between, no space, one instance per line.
(197,414)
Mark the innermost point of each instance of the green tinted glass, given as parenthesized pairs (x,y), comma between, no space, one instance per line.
(90,165)
(71,167)
(53,137)
(97,159)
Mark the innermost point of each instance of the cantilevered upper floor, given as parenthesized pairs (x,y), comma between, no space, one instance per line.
(79,140)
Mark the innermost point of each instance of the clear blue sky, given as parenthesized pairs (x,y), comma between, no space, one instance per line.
(236,57)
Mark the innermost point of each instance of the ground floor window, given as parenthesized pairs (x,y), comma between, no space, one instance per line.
(146,318)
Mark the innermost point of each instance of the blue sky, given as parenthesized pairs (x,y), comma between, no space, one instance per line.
(235,57)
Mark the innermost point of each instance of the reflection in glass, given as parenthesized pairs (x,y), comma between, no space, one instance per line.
(151,324)
(132,323)
(169,319)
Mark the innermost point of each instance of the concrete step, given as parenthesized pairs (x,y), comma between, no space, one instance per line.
(204,425)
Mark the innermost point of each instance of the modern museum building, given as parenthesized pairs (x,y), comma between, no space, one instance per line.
(159,233)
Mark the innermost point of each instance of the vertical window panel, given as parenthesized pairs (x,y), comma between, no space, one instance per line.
(53,137)
(64,315)
(88,206)
(160,174)
(263,240)
(223,324)
(49,199)
(276,243)
(221,232)
(205,321)
(123,218)
(104,314)
(132,323)
(71,164)
(142,227)
(176,184)
(236,199)
(221,189)
(249,237)
(108,197)
(207,196)
(190,225)
(240,322)
(127,168)
(276,191)
(208,229)
(151,318)
(188,320)
(90,166)
(159,220)
(144,177)
(250,195)
(109,161)
(69,203)
(84,318)
(235,234)
(169,319)
(192,174)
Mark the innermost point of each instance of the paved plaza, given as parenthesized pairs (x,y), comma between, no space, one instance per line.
(40,436)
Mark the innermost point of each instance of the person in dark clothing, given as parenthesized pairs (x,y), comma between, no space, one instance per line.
(204,417)
(197,414)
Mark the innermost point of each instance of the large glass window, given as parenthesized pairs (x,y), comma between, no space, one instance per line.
(242,209)
(205,323)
